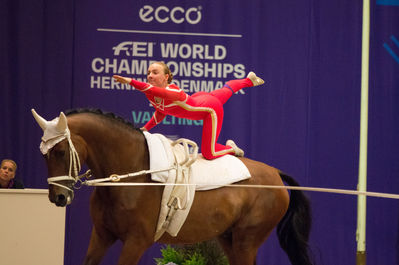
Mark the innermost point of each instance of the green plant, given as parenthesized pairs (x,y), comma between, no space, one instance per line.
(210,250)
(195,259)
(205,253)
(170,254)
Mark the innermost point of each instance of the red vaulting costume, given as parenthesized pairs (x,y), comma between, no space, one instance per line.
(200,106)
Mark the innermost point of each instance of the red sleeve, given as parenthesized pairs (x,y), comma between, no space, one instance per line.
(155,119)
(171,92)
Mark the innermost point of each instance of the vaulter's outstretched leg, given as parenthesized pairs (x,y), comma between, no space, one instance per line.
(233,86)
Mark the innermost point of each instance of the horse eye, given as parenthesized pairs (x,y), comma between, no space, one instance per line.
(59,153)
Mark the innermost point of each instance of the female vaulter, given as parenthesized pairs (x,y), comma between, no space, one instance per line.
(168,99)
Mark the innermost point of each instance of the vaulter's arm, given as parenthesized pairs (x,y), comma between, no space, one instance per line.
(155,119)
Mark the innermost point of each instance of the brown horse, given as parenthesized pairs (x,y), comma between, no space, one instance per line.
(240,218)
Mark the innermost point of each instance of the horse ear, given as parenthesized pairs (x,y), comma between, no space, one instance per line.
(62,123)
(41,121)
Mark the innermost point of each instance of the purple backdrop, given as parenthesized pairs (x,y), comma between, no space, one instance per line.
(58,55)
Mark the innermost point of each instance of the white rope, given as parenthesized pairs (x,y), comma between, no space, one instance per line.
(327,190)
(114,177)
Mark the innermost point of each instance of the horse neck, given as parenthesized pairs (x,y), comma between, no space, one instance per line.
(114,149)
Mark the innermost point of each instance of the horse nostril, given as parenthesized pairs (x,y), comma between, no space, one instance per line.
(60,200)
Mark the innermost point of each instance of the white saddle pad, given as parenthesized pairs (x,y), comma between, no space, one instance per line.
(206,174)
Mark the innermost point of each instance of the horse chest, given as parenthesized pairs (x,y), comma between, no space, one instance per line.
(119,215)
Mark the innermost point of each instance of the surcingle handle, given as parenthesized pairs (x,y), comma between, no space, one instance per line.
(189,159)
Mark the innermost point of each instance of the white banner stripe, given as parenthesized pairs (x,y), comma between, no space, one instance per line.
(172,33)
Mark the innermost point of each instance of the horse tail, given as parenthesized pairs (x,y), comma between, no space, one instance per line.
(294,229)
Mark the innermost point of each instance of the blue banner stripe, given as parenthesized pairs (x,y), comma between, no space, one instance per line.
(395,40)
(388,2)
(391,52)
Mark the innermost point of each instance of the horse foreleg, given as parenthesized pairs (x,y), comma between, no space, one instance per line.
(97,247)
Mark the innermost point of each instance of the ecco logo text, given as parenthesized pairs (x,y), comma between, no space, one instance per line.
(177,15)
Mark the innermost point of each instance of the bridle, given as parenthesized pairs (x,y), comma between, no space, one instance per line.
(74,165)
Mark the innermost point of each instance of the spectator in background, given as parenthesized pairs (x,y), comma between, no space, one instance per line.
(7,175)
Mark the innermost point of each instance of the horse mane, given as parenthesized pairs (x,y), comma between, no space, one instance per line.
(113,118)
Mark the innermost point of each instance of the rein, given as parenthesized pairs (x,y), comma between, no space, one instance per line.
(185,163)
(116,178)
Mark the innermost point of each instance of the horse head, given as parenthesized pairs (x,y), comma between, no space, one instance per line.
(62,158)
